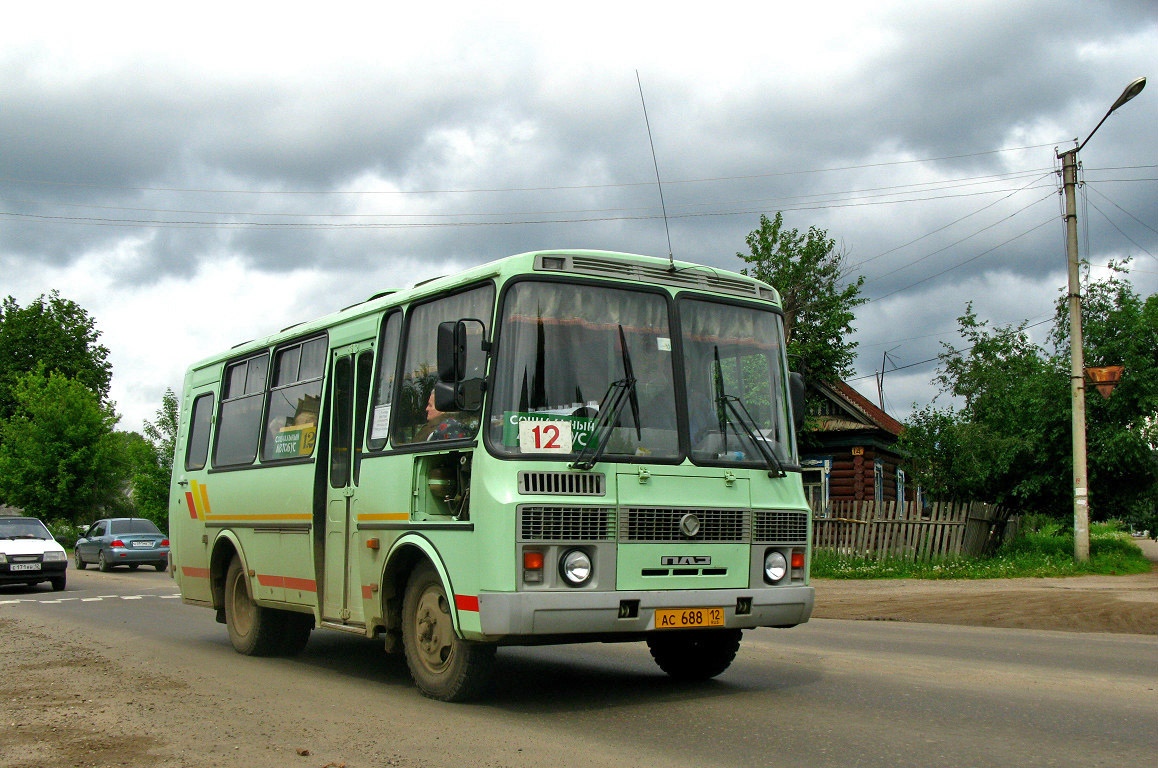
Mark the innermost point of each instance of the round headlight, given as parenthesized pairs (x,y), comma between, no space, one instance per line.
(775,566)
(575,567)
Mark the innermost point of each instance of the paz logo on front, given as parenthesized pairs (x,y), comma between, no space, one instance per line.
(689,525)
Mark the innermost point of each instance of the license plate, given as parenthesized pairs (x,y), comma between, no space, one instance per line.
(688,618)
(142,544)
(24,567)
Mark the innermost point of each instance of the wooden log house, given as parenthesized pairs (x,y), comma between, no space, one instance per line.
(849,450)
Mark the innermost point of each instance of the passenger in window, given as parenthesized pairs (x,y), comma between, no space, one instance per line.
(441,425)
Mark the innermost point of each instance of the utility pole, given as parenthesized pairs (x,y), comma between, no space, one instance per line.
(1077,362)
(1069,160)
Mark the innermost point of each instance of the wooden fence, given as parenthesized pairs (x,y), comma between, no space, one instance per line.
(942,530)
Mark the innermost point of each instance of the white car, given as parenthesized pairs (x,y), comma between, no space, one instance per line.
(29,554)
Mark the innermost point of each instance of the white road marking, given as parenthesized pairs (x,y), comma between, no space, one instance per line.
(59,600)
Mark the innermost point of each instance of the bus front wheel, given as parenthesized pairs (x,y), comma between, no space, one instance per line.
(694,654)
(443,665)
(253,630)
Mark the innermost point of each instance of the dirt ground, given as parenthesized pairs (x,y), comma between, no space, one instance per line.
(1076,604)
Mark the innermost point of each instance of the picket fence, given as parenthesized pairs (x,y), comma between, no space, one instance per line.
(908,531)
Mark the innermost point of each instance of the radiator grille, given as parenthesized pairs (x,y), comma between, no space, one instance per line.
(566,523)
(779,527)
(663,524)
(563,483)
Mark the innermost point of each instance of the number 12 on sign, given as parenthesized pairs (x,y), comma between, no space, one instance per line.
(545,437)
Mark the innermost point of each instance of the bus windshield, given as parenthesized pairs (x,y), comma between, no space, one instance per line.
(734,374)
(564,349)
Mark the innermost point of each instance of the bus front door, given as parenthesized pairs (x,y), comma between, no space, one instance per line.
(341,582)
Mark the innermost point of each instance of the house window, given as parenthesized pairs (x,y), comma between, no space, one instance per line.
(900,486)
(815,477)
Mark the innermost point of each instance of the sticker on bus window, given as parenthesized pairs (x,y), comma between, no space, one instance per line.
(295,441)
(545,436)
(663,343)
(381,425)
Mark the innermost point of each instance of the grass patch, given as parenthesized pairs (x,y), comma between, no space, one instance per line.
(1043,551)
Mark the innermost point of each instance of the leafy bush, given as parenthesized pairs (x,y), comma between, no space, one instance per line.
(65,532)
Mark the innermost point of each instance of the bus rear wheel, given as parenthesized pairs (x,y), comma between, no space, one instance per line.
(694,654)
(253,630)
(443,665)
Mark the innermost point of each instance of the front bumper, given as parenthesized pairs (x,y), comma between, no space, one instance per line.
(598,613)
(50,570)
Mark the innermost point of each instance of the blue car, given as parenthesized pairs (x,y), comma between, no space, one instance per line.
(131,541)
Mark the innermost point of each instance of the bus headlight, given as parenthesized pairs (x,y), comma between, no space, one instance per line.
(575,567)
(775,566)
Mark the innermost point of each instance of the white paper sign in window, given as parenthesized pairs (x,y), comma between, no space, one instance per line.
(545,437)
(381,424)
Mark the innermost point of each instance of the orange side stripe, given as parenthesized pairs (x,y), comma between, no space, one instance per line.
(267,518)
(196,573)
(385,516)
(287,582)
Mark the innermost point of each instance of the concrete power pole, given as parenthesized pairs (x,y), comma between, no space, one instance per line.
(1077,363)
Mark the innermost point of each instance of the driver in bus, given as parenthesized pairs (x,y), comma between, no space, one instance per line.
(441,425)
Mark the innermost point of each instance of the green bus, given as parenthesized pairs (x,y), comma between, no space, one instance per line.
(556,447)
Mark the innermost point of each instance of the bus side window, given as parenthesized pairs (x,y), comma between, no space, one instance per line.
(295,398)
(418,420)
(238,426)
(379,418)
(197,449)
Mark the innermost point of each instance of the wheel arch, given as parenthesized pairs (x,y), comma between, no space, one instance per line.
(408,553)
(225,547)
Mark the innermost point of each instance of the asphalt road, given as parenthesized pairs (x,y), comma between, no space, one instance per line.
(160,679)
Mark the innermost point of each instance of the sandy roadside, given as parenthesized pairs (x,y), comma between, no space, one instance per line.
(1077,604)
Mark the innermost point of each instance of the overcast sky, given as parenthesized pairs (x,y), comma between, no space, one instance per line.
(198,175)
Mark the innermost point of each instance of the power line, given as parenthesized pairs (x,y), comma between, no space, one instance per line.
(514,189)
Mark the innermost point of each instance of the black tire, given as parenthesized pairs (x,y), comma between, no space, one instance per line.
(443,665)
(103,564)
(253,630)
(161,565)
(59,583)
(694,654)
(80,564)
(295,632)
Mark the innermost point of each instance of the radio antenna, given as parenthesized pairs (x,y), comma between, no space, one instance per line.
(658,181)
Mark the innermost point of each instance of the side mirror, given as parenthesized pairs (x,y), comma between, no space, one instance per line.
(461,353)
(796,392)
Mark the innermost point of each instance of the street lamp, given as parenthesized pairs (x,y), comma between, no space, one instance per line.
(1069,160)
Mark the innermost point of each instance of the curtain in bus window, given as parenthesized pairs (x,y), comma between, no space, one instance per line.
(384,396)
(238,430)
(291,423)
(417,420)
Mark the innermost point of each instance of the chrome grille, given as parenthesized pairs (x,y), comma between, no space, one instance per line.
(779,527)
(537,523)
(663,524)
(563,483)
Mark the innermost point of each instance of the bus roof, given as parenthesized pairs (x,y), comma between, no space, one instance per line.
(586,263)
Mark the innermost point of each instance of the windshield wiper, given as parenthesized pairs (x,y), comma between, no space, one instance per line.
(619,393)
(745,421)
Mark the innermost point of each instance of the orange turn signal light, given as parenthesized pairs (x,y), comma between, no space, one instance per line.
(533,561)
(797,559)
(372,543)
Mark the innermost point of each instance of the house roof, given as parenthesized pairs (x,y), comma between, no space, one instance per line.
(857,411)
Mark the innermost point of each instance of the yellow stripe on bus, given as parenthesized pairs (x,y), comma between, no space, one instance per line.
(267,518)
(385,516)
(195,487)
(205,499)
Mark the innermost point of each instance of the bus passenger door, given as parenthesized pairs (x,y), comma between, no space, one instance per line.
(341,582)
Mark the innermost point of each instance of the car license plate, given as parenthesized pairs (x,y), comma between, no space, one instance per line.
(688,618)
(24,567)
(142,544)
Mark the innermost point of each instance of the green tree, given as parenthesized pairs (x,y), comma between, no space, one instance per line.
(59,457)
(818,300)
(56,333)
(1009,441)
(153,465)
